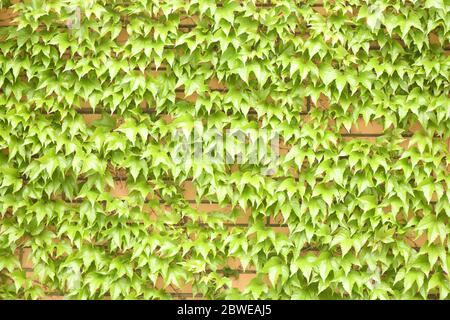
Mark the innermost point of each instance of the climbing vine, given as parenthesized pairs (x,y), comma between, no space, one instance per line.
(94,95)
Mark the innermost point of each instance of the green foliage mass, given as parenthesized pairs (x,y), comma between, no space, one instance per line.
(368,217)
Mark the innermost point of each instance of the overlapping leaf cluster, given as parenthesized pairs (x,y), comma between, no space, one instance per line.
(337,216)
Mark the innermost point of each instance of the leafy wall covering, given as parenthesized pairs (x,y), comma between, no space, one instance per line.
(93,204)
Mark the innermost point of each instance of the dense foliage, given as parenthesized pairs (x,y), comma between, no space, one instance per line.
(367,215)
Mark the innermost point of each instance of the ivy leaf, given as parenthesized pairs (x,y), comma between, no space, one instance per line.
(276,269)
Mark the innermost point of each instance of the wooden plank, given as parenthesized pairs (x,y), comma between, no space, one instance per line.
(242,281)
(188,23)
(361,127)
(26,259)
